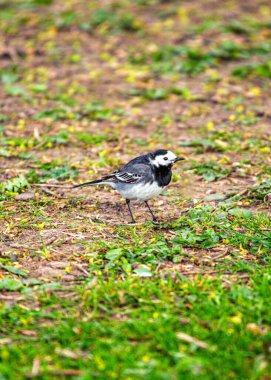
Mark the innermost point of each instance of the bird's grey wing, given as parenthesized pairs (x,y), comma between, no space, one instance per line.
(133,173)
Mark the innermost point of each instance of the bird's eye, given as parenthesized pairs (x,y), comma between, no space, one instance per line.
(165,158)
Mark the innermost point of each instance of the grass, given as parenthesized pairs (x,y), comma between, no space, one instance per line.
(85,88)
(130,329)
(118,325)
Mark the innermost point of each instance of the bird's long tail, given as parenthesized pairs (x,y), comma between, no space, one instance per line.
(96,182)
(103,181)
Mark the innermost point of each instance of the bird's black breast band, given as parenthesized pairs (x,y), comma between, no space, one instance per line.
(162,175)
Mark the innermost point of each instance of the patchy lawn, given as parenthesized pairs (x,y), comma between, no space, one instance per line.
(84,87)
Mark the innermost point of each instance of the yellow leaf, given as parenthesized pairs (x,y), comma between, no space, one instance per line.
(236,319)
(146,359)
(210,126)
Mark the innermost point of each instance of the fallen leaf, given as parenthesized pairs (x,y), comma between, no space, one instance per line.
(190,339)
(29,333)
(25,196)
(143,271)
(255,329)
(5,341)
(66,353)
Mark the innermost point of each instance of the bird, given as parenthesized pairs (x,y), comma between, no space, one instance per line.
(141,179)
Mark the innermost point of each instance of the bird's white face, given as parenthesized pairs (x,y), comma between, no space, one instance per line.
(166,159)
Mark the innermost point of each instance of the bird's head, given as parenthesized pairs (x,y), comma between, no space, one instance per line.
(162,157)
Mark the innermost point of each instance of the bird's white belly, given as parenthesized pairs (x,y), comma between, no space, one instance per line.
(141,191)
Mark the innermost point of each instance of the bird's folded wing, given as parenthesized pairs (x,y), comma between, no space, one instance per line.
(128,177)
(133,173)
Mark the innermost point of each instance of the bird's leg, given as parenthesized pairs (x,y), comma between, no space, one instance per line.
(130,211)
(152,214)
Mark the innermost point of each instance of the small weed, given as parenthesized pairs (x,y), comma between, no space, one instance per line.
(13,186)
(55,114)
(149,94)
(260,70)
(210,171)
(112,21)
(203,145)
(52,171)
(90,139)
(16,184)
(261,191)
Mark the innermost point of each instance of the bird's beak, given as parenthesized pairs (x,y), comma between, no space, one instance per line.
(179,159)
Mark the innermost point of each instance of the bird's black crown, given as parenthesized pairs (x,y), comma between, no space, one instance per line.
(158,152)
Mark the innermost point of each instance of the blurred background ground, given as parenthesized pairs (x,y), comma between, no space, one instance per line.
(86,86)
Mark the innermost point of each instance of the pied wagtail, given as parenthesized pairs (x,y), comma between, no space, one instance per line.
(142,178)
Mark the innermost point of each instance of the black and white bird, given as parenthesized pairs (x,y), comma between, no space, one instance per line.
(142,178)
